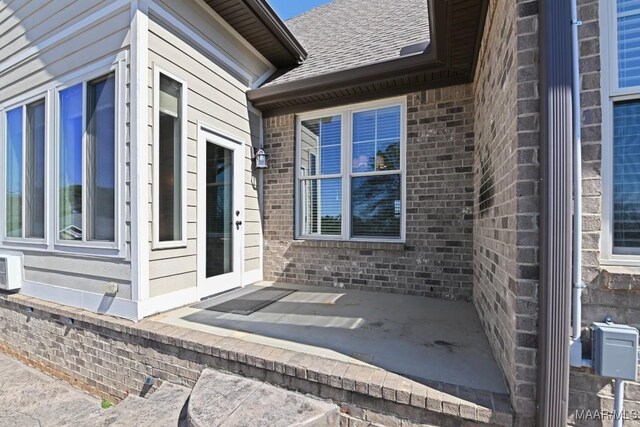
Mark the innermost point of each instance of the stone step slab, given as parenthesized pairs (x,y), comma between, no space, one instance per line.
(220,399)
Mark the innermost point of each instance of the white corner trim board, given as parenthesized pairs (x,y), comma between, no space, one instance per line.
(139,152)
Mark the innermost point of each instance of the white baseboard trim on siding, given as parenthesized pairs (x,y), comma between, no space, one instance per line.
(120,307)
(96,303)
(167,302)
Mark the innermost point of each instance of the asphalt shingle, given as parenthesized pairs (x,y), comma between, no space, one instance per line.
(345,34)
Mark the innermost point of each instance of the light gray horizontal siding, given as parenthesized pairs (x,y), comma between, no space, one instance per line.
(25,25)
(216,100)
(200,20)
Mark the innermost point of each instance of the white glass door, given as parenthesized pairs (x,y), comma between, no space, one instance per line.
(220,213)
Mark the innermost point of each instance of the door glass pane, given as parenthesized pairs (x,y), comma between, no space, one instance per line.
(70,209)
(101,159)
(376,206)
(170,165)
(220,216)
(35,170)
(14,173)
(626,175)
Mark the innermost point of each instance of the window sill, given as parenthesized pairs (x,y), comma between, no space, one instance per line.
(351,244)
(72,251)
(620,277)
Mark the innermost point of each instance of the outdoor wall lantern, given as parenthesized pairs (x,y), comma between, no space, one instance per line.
(261,159)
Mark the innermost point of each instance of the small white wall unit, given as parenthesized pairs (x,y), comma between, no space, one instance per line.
(10,272)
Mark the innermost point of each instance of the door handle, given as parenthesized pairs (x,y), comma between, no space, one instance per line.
(238,224)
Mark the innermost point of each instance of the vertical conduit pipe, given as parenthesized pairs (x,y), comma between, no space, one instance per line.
(618,404)
(555,213)
(578,283)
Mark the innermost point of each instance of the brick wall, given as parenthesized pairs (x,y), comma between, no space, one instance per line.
(506,195)
(610,290)
(437,257)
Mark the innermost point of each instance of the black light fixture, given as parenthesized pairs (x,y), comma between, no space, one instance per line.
(261,159)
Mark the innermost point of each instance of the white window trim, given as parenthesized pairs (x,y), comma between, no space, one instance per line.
(119,71)
(44,96)
(181,243)
(346,113)
(610,94)
(116,63)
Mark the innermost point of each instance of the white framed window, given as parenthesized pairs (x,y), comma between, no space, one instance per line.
(72,170)
(26,169)
(169,160)
(620,29)
(350,168)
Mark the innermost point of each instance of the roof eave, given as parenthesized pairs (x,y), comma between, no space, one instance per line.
(345,78)
(279,29)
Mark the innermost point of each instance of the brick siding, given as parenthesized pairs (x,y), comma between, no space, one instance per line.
(436,259)
(506,195)
(610,290)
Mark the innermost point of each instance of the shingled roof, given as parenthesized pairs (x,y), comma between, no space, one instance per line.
(346,34)
(370,49)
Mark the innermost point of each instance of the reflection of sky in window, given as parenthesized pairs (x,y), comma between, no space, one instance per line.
(375,135)
(628,42)
(627,174)
(37,118)
(330,136)
(331,197)
(14,151)
(71,136)
(105,114)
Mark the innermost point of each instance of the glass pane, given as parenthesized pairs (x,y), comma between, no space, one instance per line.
(364,126)
(220,218)
(376,140)
(376,206)
(320,146)
(364,156)
(35,171)
(626,193)
(628,13)
(101,159)
(170,173)
(321,206)
(14,172)
(70,204)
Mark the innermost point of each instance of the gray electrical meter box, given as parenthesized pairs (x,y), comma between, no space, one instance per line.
(615,351)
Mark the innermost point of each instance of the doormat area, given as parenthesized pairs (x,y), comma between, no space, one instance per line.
(249,303)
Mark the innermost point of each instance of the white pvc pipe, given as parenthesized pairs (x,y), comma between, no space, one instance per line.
(618,404)
(578,285)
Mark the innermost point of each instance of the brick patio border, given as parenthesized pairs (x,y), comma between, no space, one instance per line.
(96,348)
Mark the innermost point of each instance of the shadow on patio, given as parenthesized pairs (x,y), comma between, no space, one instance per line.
(435,342)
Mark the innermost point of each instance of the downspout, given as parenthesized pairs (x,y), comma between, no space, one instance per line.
(555,213)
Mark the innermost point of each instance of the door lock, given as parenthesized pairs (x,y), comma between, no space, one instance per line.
(238,224)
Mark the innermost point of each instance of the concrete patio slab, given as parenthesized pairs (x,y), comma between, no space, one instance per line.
(426,340)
